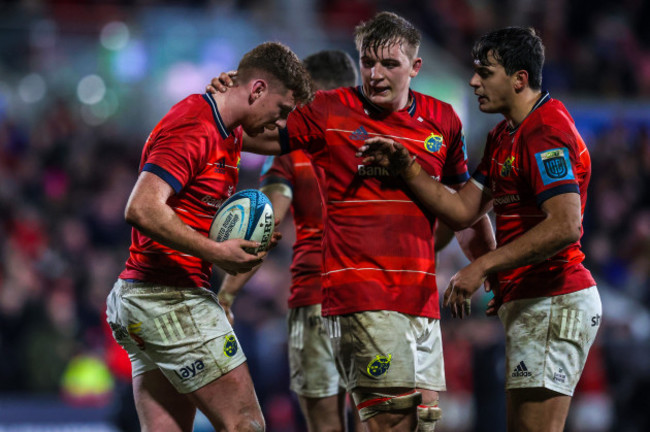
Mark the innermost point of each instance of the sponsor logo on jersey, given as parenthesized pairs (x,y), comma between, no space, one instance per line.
(433,143)
(554,165)
(220,166)
(212,201)
(360,134)
(521,370)
(372,171)
(379,365)
(191,370)
(559,376)
(230,346)
(506,199)
(506,168)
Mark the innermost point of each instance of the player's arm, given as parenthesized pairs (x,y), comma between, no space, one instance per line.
(442,236)
(148,212)
(559,229)
(280,196)
(458,210)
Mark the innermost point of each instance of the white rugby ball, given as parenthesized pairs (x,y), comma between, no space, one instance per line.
(248,215)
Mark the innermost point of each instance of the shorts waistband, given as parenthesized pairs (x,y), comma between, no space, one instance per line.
(138,286)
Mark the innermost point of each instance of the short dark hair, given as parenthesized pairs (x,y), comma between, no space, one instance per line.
(331,69)
(385,29)
(515,48)
(282,64)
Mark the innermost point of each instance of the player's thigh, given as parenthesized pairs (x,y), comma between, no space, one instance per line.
(324,414)
(311,359)
(384,356)
(160,407)
(229,402)
(536,410)
(548,339)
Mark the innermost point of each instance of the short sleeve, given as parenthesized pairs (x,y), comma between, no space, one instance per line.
(455,169)
(306,126)
(551,159)
(177,152)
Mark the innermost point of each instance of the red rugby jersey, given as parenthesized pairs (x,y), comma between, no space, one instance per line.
(295,170)
(543,157)
(378,251)
(191,150)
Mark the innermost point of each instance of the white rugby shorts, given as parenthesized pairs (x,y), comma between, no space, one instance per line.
(183,332)
(548,339)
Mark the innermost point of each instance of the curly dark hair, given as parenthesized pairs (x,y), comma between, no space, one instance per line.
(281,63)
(514,48)
(331,69)
(386,29)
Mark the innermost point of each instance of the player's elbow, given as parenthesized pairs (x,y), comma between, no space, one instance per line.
(569,232)
(135,215)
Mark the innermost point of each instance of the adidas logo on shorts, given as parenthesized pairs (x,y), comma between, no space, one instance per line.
(521,370)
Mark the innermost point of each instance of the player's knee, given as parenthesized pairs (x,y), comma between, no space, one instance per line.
(376,403)
(428,415)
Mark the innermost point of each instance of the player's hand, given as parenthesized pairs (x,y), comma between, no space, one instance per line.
(221,84)
(276,236)
(386,153)
(492,284)
(461,288)
(233,259)
(226,301)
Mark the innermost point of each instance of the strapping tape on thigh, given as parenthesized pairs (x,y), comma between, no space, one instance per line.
(385,402)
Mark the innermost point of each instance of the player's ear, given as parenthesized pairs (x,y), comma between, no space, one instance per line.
(520,80)
(257,89)
(417,64)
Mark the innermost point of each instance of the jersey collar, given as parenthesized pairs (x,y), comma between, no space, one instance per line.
(216,116)
(545,97)
(378,110)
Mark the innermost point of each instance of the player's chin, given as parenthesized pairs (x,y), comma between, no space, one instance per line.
(253,132)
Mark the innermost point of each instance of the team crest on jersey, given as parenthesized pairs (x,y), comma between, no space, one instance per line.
(554,165)
(433,143)
(230,347)
(506,169)
(379,366)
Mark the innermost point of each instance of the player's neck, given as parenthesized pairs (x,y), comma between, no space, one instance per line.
(523,104)
(226,109)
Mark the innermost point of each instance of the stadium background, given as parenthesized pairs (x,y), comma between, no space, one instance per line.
(82,84)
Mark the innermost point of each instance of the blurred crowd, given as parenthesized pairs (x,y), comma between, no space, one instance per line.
(63,239)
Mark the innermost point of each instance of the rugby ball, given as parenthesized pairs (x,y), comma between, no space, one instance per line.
(248,215)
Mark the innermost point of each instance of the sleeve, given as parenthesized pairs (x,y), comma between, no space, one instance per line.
(455,169)
(481,177)
(306,126)
(550,157)
(176,153)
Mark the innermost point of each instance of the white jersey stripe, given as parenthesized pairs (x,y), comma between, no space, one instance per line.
(377,269)
(381,135)
(371,201)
